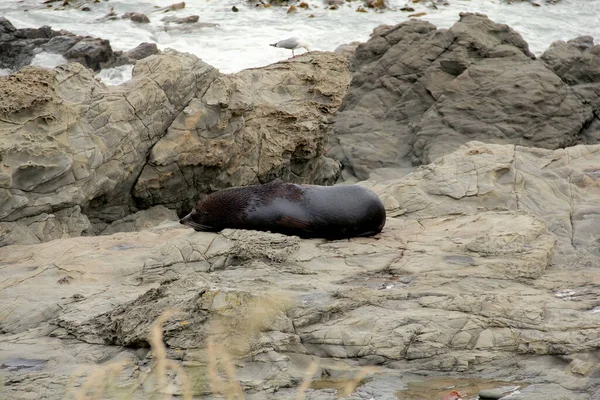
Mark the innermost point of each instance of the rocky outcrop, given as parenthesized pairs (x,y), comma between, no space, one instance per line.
(248,127)
(177,130)
(19,46)
(576,62)
(486,267)
(418,93)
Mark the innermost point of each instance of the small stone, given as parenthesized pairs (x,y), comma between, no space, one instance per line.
(408,9)
(292,9)
(490,394)
(360,9)
(496,393)
(419,14)
(86,9)
(304,5)
(581,367)
(234,9)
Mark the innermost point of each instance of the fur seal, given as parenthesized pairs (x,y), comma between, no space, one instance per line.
(308,211)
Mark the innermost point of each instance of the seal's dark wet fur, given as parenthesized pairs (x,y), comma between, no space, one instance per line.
(303,210)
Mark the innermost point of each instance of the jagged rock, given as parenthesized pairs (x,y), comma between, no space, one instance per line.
(418,93)
(143,50)
(468,276)
(575,61)
(18,47)
(577,64)
(246,128)
(347,50)
(177,130)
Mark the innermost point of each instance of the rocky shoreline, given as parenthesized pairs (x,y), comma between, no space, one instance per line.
(486,269)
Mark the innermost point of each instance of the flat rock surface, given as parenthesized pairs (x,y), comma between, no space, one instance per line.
(486,267)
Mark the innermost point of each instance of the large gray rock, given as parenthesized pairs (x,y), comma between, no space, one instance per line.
(486,267)
(418,93)
(177,130)
(577,62)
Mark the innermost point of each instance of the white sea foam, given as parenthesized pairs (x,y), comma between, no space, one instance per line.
(242,38)
(48,60)
(116,75)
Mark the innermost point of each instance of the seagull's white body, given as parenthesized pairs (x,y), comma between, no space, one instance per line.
(292,44)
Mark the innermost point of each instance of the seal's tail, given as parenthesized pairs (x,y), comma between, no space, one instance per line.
(274,45)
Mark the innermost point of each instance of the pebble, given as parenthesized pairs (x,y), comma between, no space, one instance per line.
(496,393)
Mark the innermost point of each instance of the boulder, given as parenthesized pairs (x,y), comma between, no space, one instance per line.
(485,268)
(70,140)
(418,93)
(248,127)
(576,62)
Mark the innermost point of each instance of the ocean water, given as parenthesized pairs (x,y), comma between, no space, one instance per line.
(241,39)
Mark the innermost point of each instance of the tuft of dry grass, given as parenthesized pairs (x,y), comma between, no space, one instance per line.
(229,337)
(161,363)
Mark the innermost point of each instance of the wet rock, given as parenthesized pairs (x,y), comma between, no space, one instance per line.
(143,50)
(190,19)
(376,4)
(136,17)
(171,7)
(413,88)
(18,47)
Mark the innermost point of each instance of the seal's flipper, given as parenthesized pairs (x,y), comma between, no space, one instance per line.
(291,222)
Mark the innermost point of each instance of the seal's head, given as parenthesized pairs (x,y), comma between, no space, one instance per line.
(215,212)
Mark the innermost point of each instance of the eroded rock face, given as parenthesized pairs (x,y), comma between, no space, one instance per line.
(177,130)
(477,271)
(247,128)
(418,93)
(78,142)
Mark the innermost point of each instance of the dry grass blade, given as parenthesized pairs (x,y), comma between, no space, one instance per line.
(162,363)
(353,383)
(313,367)
(231,388)
(95,383)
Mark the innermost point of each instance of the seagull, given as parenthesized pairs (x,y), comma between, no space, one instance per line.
(292,44)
